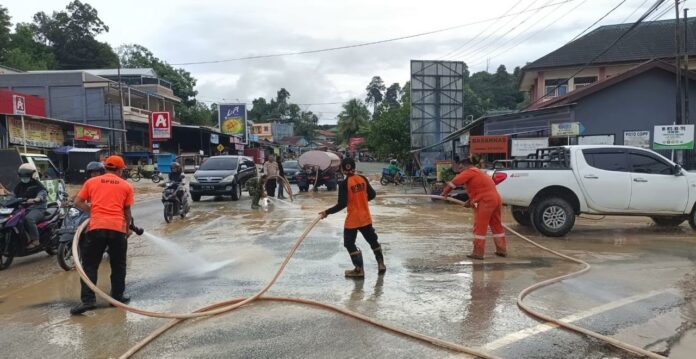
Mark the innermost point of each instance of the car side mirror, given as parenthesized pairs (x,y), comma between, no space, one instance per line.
(677,170)
(243,167)
(196,167)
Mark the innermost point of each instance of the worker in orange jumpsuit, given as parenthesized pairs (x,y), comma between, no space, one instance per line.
(487,204)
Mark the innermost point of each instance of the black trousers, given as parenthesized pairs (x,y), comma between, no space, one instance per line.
(351,234)
(270,187)
(33,216)
(92,251)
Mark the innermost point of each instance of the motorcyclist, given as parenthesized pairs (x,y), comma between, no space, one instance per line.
(176,176)
(394,170)
(35,194)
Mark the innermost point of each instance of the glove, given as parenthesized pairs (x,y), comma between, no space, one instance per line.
(446,191)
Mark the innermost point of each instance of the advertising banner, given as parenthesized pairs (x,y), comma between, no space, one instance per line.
(39,134)
(488,144)
(214,138)
(160,126)
(87,133)
(526,146)
(232,120)
(637,139)
(596,140)
(676,137)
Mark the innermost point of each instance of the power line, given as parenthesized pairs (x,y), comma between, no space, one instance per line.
(483,43)
(304,52)
(518,43)
(479,34)
(522,33)
(596,22)
(638,22)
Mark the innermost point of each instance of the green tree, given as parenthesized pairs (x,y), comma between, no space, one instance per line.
(375,92)
(260,110)
(352,119)
(199,114)
(5,26)
(389,132)
(71,36)
(393,95)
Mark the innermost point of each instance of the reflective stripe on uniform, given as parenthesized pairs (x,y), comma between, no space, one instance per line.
(498,235)
(476,236)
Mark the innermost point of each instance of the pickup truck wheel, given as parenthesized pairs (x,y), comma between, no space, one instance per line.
(553,217)
(522,215)
(692,219)
(668,221)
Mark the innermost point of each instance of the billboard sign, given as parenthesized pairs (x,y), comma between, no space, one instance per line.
(596,140)
(566,129)
(488,144)
(675,137)
(526,146)
(19,105)
(38,134)
(355,142)
(232,120)
(87,133)
(160,126)
(637,139)
(214,138)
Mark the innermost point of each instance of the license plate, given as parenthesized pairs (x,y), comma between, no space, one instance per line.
(208,187)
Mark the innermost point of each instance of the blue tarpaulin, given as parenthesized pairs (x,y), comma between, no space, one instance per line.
(164,162)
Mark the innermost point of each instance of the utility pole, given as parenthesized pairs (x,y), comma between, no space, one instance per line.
(677,68)
(687,92)
(123,120)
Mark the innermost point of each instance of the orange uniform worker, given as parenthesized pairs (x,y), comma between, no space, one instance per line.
(110,199)
(354,193)
(487,204)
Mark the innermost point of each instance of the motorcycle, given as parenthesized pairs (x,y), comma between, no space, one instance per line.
(73,219)
(176,200)
(13,238)
(388,178)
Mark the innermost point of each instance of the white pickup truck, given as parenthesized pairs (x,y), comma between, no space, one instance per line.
(549,189)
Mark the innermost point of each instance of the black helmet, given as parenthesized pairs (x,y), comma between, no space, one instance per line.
(348,164)
(95,166)
(26,170)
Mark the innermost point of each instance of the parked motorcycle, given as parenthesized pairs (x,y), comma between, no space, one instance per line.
(155,176)
(176,200)
(388,178)
(13,237)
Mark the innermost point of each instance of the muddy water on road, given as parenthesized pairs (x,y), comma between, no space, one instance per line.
(430,287)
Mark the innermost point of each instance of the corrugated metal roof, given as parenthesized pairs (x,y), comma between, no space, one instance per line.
(650,40)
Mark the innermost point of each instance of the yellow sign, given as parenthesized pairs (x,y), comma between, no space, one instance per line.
(39,134)
(220,148)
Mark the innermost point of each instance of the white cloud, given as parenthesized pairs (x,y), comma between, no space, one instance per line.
(183,31)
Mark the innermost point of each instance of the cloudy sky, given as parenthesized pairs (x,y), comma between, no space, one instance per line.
(182,31)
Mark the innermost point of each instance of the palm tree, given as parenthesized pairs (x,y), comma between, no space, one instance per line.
(354,116)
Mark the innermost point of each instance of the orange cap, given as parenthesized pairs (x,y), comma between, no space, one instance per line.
(114,162)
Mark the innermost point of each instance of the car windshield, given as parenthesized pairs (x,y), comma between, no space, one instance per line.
(291,165)
(45,168)
(218,164)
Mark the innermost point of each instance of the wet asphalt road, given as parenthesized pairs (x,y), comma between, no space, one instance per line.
(642,288)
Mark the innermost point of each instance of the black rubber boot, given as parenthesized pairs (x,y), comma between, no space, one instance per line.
(381,268)
(357,272)
(81,308)
(124,299)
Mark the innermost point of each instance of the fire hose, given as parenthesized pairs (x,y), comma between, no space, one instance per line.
(229,305)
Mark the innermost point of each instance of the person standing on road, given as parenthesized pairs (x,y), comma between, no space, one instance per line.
(34,193)
(256,187)
(270,169)
(110,199)
(487,204)
(281,173)
(354,193)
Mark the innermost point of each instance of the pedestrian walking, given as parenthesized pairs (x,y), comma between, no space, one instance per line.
(354,193)
(256,187)
(487,204)
(108,200)
(270,169)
